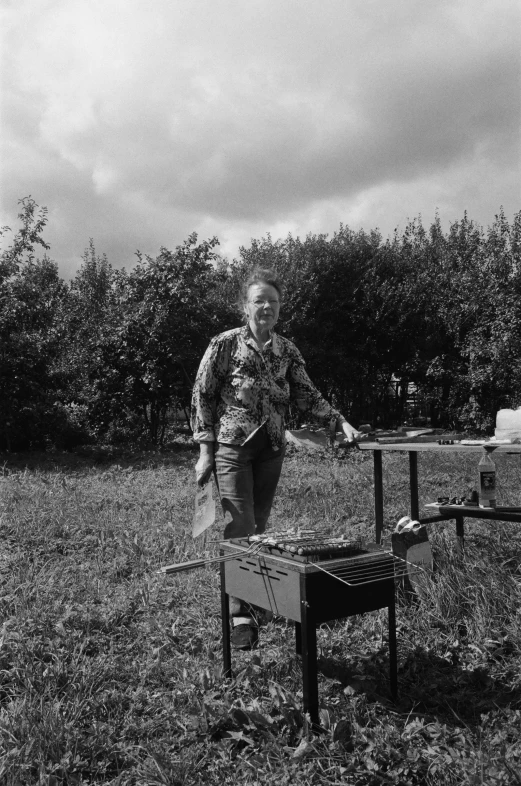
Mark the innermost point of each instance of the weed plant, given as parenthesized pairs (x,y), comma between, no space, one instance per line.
(111,673)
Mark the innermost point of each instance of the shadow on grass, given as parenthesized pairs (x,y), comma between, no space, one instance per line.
(433,683)
(427,684)
(88,457)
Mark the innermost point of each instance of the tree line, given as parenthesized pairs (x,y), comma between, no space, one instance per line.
(426,322)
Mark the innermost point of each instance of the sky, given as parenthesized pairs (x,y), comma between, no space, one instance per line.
(137,123)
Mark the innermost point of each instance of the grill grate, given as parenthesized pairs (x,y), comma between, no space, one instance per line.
(356,575)
(309,547)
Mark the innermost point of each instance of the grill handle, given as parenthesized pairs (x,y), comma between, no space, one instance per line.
(192,564)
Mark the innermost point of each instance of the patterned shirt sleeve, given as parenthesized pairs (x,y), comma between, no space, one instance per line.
(210,377)
(306,396)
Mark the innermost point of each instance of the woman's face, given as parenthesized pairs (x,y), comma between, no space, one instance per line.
(262,307)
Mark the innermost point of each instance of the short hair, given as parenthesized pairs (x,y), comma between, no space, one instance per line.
(259,275)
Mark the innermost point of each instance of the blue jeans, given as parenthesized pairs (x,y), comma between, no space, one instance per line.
(247,478)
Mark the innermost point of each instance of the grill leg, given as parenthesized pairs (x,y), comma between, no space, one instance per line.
(225,616)
(393,660)
(309,664)
(298,638)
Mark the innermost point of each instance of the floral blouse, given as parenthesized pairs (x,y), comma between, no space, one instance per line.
(239,388)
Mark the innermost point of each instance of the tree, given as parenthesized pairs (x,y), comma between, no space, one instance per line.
(30,294)
(146,358)
(493,345)
(33,220)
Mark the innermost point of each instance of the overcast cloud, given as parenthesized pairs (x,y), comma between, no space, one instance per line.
(138,123)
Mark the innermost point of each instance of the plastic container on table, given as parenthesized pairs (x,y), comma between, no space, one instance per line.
(487,481)
(508,424)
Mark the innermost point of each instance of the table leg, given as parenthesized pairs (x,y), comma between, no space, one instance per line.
(413,474)
(460,535)
(393,660)
(225,615)
(378,495)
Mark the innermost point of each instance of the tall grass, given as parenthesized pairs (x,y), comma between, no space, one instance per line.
(111,674)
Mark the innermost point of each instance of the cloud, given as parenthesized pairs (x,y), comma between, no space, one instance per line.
(138,123)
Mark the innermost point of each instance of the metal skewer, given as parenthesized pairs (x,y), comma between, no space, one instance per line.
(257,543)
(194,564)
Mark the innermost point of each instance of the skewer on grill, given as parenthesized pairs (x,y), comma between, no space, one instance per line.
(306,543)
(304,534)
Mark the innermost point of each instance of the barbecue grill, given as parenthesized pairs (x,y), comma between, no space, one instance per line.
(309,580)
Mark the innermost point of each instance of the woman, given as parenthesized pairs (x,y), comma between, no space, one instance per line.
(245,383)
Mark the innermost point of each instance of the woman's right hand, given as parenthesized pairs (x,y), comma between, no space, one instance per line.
(205,464)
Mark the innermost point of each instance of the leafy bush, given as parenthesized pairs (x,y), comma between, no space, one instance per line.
(437,313)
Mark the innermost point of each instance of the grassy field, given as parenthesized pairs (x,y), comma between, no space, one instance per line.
(111,674)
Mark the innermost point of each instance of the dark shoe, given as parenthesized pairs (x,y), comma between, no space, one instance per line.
(245,637)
